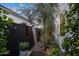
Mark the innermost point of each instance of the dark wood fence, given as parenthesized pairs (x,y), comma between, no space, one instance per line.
(18,33)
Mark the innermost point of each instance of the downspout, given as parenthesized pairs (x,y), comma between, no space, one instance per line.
(35,37)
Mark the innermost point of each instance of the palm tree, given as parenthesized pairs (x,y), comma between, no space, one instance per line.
(48,13)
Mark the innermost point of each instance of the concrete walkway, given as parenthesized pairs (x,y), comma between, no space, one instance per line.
(37,50)
(37,47)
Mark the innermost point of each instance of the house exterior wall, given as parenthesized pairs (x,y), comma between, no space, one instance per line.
(16,19)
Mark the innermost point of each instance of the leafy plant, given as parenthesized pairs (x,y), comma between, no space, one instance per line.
(71,41)
(53,52)
(5,21)
(24,45)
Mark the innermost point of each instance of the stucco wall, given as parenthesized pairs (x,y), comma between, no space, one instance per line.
(16,19)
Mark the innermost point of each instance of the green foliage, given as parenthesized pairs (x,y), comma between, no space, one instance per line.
(53,52)
(24,45)
(47,13)
(4,23)
(71,41)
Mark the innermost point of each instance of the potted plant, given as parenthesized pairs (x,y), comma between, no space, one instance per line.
(24,46)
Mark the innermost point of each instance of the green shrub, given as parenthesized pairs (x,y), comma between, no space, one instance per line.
(24,45)
(53,52)
(4,23)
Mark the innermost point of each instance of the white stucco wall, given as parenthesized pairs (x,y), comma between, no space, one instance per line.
(16,19)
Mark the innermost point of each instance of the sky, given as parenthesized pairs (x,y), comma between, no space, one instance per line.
(16,6)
